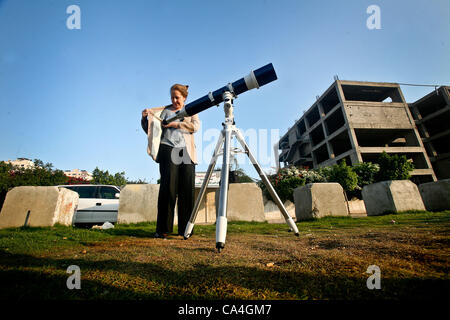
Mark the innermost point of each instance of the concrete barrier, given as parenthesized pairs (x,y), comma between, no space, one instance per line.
(391,196)
(245,202)
(316,200)
(436,195)
(47,206)
(207,211)
(356,208)
(272,213)
(139,203)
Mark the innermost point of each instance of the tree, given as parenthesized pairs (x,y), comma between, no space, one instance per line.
(342,174)
(239,176)
(393,167)
(104,177)
(366,172)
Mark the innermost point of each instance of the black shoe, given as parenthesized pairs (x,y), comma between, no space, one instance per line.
(161,236)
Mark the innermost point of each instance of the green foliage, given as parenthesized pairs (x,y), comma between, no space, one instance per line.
(287,179)
(342,174)
(5,169)
(239,176)
(104,177)
(285,187)
(139,181)
(393,167)
(366,173)
(39,175)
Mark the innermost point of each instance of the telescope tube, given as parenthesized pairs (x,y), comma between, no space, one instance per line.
(254,79)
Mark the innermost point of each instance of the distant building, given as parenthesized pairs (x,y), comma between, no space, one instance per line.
(24,163)
(81,174)
(432,116)
(357,121)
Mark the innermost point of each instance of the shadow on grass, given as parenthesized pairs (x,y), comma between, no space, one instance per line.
(153,281)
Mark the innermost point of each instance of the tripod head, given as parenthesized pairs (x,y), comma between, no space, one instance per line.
(228,98)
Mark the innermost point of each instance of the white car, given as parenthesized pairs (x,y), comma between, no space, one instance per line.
(97,203)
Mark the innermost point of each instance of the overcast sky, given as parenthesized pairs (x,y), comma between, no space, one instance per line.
(73,97)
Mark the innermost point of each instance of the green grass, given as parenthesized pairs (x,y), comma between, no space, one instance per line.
(260,260)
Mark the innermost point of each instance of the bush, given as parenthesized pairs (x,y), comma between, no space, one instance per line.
(366,173)
(74,180)
(287,179)
(352,179)
(342,174)
(393,167)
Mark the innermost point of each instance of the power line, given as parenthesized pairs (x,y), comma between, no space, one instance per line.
(421,85)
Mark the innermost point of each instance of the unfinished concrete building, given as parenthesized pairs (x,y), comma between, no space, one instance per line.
(356,121)
(432,116)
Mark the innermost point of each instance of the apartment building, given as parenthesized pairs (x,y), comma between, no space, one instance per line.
(356,121)
(432,116)
(77,173)
(24,163)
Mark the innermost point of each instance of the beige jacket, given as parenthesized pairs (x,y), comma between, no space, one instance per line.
(188,127)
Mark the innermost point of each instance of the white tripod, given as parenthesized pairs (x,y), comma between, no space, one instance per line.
(229,130)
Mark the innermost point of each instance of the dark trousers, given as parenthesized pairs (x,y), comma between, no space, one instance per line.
(177,180)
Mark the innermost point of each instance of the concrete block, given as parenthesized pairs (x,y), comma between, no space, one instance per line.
(357,208)
(273,214)
(245,202)
(316,200)
(391,196)
(436,195)
(207,211)
(138,203)
(47,205)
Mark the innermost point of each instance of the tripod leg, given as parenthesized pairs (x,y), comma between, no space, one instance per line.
(201,194)
(221,223)
(267,183)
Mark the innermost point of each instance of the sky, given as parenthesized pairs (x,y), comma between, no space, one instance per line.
(73,96)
